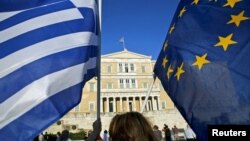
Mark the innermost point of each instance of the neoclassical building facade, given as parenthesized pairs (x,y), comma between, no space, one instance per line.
(125,79)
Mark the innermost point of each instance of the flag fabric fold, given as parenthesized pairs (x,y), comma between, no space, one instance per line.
(48,50)
(204,63)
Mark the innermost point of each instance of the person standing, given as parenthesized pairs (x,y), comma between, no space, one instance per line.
(157,132)
(167,133)
(46,137)
(65,136)
(189,134)
(105,135)
(41,137)
(58,135)
(176,131)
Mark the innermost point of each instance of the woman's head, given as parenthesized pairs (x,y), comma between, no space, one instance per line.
(131,126)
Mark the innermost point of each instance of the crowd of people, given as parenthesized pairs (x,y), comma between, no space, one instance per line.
(166,135)
(64,136)
(130,126)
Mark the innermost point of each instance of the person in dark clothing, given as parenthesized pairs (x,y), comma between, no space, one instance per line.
(36,138)
(58,135)
(167,133)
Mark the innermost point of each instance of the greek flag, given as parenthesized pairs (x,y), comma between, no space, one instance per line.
(48,50)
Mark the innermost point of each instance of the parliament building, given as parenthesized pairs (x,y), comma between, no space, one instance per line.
(125,79)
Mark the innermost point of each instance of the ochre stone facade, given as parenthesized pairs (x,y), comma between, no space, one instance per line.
(125,79)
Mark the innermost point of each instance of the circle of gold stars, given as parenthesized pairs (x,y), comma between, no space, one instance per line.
(224,41)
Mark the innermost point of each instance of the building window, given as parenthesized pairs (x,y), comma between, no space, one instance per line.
(145,85)
(91,107)
(133,83)
(121,84)
(143,69)
(126,68)
(109,69)
(127,83)
(91,87)
(120,67)
(132,68)
(163,105)
(77,108)
(109,86)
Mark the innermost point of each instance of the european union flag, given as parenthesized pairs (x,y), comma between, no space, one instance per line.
(204,64)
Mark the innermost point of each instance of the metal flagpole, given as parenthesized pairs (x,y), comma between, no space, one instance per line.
(148,93)
(99,19)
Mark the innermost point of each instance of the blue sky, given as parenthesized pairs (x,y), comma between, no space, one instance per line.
(143,23)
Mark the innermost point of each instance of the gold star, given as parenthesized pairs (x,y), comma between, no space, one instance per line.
(179,72)
(195,2)
(170,70)
(200,61)
(225,41)
(165,45)
(172,29)
(236,19)
(183,10)
(231,3)
(164,61)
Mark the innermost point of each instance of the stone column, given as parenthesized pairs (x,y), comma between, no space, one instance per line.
(154,103)
(107,104)
(114,104)
(127,104)
(101,105)
(134,106)
(140,102)
(121,104)
(159,103)
(147,103)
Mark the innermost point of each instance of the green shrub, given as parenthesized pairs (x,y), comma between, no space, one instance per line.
(77,136)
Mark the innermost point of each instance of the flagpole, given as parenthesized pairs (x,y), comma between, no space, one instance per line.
(148,93)
(99,19)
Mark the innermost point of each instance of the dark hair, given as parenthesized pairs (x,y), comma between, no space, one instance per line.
(156,127)
(64,135)
(131,126)
(105,131)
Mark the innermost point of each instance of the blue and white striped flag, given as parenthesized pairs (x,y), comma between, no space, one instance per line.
(48,50)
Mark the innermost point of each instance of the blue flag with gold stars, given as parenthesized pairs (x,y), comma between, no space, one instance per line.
(204,64)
